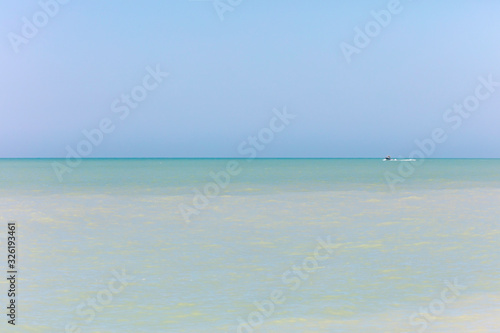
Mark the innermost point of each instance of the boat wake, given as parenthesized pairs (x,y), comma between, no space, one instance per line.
(400,160)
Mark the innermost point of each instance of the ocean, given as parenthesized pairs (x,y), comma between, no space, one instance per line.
(263,245)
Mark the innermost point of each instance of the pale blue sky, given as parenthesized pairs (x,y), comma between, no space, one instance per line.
(225,77)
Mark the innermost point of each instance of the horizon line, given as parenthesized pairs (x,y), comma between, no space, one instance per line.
(233,158)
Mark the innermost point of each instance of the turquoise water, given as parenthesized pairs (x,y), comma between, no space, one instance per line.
(390,254)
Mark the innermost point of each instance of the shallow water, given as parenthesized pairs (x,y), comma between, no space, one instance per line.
(393,252)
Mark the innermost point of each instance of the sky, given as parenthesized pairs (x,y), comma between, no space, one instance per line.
(314,78)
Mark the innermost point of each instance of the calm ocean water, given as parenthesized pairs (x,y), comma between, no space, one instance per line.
(287,245)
